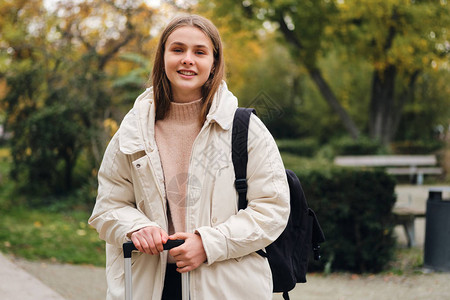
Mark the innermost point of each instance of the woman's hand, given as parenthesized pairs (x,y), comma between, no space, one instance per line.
(149,239)
(190,255)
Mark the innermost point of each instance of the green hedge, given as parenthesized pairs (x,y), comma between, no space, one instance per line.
(361,146)
(354,208)
(301,147)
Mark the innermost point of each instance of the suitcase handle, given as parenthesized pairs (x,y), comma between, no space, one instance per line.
(128,247)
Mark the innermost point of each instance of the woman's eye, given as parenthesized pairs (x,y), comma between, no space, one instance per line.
(176,50)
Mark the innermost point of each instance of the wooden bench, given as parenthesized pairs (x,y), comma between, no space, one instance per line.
(411,165)
(406,216)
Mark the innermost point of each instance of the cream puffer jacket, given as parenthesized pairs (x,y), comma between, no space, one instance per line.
(131,195)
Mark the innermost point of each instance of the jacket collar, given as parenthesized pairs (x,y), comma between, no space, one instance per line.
(223,106)
(137,130)
(138,125)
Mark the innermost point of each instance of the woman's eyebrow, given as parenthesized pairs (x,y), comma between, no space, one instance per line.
(183,44)
(177,44)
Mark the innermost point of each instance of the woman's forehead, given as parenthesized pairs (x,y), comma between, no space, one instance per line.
(189,35)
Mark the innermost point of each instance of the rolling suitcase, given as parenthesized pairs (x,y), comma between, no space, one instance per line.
(129,247)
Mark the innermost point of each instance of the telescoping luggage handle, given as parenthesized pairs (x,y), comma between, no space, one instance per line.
(129,247)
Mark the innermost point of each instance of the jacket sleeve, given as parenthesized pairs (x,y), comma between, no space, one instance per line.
(268,207)
(115,214)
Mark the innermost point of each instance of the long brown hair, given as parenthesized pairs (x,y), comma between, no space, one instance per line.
(161,85)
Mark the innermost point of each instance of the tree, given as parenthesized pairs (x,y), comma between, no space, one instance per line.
(393,35)
(302,25)
(58,65)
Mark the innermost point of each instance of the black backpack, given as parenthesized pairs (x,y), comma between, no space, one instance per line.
(288,255)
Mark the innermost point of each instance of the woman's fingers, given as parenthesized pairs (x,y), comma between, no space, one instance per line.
(191,254)
(149,239)
(141,243)
(157,240)
(181,264)
(164,236)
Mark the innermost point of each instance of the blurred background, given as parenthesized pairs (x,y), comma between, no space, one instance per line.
(328,78)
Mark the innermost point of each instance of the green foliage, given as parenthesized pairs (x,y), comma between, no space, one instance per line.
(361,146)
(302,147)
(295,162)
(58,233)
(355,210)
(278,105)
(6,186)
(61,77)
(130,84)
(56,75)
(344,145)
(429,110)
(51,124)
(363,56)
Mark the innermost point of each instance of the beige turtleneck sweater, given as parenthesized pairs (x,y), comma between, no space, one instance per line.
(174,136)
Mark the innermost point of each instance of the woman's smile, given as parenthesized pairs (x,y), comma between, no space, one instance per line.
(187,73)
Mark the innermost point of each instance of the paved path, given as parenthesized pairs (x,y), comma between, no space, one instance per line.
(73,282)
(88,283)
(16,284)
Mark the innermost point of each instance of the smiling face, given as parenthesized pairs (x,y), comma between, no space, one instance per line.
(188,62)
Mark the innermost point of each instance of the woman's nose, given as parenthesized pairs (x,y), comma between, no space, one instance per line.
(187,60)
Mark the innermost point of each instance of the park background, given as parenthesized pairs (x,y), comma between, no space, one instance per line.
(327,77)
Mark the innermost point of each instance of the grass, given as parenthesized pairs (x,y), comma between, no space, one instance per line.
(58,237)
(43,233)
(407,261)
(295,162)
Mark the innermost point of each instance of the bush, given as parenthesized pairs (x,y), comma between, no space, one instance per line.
(354,208)
(361,146)
(302,147)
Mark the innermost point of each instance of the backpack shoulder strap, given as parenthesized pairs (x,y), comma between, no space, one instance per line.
(239,151)
(317,235)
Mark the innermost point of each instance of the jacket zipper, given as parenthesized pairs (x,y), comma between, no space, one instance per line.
(188,198)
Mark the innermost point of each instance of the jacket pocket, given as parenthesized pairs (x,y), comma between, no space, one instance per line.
(145,187)
(224,196)
(140,164)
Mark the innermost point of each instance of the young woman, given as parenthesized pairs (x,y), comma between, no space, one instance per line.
(167,174)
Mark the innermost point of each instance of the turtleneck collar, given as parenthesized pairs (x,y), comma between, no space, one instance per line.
(184,112)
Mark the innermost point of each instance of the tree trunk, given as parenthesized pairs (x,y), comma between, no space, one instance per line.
(385,107)
(317,78)
(381,104)
(384,112)
(329,96)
